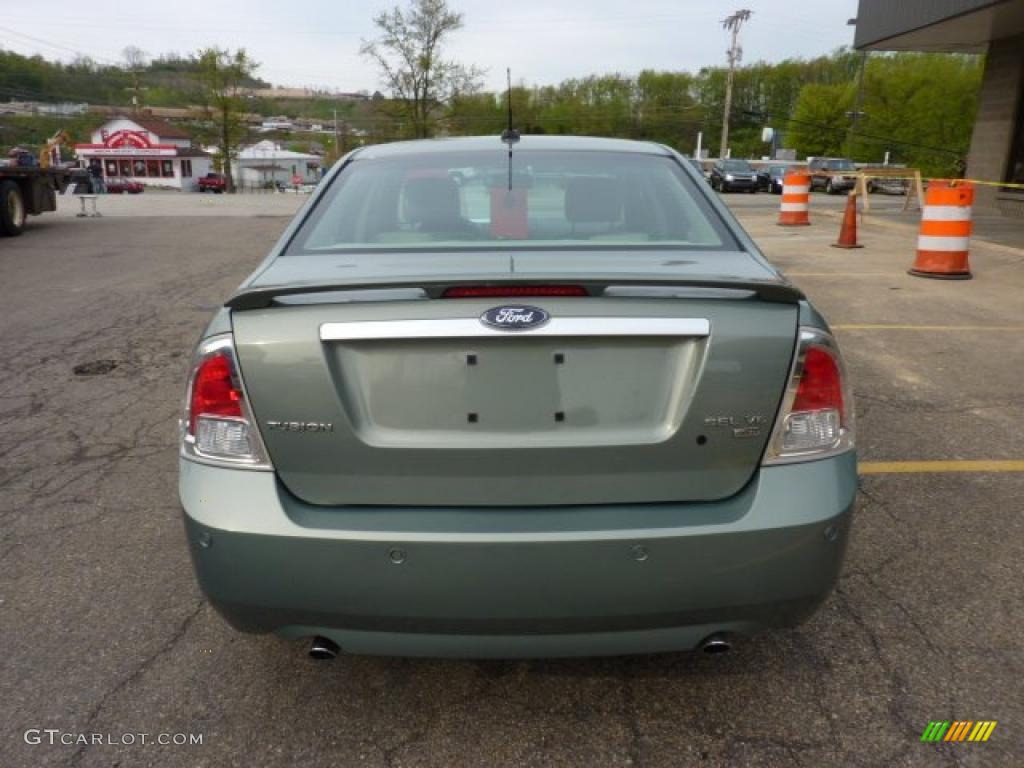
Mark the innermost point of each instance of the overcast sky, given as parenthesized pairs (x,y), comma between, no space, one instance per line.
(316,42)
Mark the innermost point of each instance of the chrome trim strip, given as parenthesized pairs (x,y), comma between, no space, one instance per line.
(471,327)
(676,292)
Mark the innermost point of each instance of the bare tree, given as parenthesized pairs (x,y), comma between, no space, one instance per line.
(222,78)
(134,57)
(408,53)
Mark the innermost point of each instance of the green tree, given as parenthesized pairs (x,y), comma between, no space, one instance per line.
(409,55)
(221,78)
(666,110)
(920,108)
(818,124)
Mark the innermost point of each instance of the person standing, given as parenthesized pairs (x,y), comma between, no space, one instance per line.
(99,186)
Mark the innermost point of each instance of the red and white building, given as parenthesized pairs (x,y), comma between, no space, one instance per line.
(150,151)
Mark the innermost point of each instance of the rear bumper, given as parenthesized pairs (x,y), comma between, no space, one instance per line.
(563,581)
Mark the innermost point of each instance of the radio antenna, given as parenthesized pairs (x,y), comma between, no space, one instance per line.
(510,135)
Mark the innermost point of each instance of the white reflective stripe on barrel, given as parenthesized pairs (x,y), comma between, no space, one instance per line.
(935,243)
(946,213)
(793,207)
(794,189)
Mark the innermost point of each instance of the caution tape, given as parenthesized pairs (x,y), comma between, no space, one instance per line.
(954,182)
(951,182)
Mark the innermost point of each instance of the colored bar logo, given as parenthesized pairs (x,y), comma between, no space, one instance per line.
(958,730)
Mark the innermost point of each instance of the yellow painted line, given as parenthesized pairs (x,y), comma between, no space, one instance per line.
(956,465)
(937,328)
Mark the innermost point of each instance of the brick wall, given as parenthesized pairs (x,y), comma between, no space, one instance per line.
(998,107)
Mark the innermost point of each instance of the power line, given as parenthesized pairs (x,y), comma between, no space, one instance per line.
(871,137)
(57,46)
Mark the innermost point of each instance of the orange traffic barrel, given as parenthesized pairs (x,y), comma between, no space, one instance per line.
(796,200)
(943,242)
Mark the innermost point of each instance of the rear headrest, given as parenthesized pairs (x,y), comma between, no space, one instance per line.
(432,199)
(591,199)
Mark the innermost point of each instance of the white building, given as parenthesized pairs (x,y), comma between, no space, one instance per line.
(152,152)
(277,124)
(266,162)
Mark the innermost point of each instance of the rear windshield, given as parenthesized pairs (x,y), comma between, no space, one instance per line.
(542,199)
(839,165)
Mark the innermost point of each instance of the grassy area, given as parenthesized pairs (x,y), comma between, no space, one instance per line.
(32,131)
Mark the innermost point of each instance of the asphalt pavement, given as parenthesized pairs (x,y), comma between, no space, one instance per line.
(104,631)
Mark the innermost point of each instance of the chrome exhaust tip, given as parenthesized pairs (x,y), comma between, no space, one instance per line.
(323,649)
(716,644)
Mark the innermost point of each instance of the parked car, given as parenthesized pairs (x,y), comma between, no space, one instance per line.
(121,185)
(832,174)
(729,175)
(771,178)
(454,419)
(889,186)
(213,182)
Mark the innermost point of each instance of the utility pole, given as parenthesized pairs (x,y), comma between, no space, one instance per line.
(337,143)
(858,112)
(735,53)
(858,107)
(136,90)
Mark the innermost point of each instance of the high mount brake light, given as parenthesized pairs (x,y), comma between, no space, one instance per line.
(217,426)
(816,419)
(511,291)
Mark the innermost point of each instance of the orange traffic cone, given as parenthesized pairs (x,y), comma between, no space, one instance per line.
(944,241)
(848,232)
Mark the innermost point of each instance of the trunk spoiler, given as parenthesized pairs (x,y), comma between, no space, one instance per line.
(263,296)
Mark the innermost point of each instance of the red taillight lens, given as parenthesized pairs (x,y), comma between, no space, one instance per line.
(816,418)
(217,426)
(821,384)
(511,291)
(213,391)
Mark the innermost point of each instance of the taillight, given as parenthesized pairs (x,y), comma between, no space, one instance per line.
(217,426)
(213,390)
(511,291)
(816,418)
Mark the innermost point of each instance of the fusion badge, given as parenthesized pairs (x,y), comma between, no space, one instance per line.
(301,426)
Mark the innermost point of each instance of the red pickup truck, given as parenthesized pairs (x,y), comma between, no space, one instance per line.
(213,182)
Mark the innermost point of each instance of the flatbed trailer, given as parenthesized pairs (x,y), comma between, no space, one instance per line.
(27,190)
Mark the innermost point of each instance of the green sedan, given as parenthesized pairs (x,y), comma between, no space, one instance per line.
(503,397)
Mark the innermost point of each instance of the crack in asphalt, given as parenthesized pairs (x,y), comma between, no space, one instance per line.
(69,445)
(134,675)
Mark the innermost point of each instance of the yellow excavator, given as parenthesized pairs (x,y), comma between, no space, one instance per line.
(50,154)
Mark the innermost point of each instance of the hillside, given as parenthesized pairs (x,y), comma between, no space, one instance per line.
(917,107)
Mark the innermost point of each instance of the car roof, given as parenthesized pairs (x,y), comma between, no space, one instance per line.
(477,143)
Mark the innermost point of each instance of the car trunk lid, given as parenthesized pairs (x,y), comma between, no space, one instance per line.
(627,395)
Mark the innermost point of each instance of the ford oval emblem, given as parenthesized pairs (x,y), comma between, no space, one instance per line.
(514,318)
